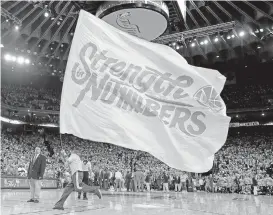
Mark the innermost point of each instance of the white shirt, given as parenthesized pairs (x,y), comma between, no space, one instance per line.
(75,163)
(86,167)
(183,178)
(118,175)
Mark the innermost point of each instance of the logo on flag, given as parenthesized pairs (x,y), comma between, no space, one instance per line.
(136,94)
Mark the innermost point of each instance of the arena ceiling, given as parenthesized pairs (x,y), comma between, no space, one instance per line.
(42,31)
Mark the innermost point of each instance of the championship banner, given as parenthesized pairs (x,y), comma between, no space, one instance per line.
(140,95)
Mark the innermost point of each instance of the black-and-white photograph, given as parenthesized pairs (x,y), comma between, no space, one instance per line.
(134,107)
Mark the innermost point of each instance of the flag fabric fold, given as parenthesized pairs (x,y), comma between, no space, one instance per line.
(140,95)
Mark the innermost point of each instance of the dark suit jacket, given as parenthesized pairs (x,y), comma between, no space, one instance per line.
(106,175)
(37,169)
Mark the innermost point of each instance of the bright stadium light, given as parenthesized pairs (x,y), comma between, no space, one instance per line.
(228,37)
(7,57)
(193,44)
(46,14)
(20,60)
(202,43)
(206,41)
(217,56)
(13,58)
(233,36)
(216,39)
(242,33)
(27,61)
(1,46)
(16,27)
(261,30)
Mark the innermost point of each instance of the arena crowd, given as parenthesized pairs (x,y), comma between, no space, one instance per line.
(247,96)
(243,163)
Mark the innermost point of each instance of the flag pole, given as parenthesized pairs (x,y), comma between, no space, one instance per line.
(61,140)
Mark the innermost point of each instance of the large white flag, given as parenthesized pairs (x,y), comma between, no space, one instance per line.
(136,94)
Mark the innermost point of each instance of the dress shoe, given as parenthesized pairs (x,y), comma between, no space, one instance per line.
(31,200)
(98,193)
(58,208)
(36,201)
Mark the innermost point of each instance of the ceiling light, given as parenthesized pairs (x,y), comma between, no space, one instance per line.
(27,61)
(202,43)
(262,114)
(228,37)
(261,30)
(216,39)
(20,60)
(1,46)
(52,18)
(258,47)
(51,48)
(173,43)
(13,58)
(206,41)
(58,23)
(16,27)
(177,47)
(193,44)
(237,115)
(7,57)
(245,66)
(242,33)
(232,35)
(217,56)
(46,14)
(7,20)
(62,45)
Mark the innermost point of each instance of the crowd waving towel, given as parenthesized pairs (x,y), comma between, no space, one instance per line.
(140,95)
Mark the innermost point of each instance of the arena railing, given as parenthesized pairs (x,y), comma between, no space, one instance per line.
(238,110)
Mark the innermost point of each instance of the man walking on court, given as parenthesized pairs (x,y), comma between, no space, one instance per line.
(75,165)
(36,170)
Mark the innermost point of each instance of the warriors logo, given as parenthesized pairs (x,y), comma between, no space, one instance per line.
(208,97)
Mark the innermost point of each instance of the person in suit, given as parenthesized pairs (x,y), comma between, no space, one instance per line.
(128,179)
(36,170)
(106,178)
(148,181)
(177,183)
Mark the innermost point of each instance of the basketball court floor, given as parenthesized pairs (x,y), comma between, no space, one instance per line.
(200,203)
